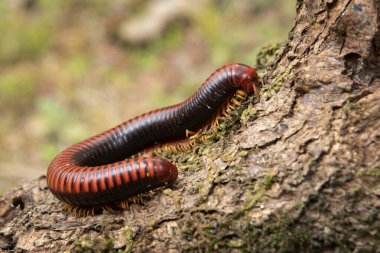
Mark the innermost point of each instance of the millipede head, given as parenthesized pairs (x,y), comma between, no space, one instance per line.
(245,77)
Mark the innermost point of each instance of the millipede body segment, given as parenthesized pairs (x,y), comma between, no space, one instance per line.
(97,171)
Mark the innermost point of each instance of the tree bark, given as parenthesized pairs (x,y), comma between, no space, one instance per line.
(298,171)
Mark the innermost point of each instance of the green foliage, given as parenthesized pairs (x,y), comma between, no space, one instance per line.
(53,117)
(77,65)
(261,5)
(23,36)
(17,88)
(212,24)
(149,56)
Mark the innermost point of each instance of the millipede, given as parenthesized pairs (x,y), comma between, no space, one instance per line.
(102,170)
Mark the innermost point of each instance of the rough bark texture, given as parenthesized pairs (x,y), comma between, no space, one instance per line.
(299,172)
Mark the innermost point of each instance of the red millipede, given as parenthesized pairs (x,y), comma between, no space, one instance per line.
(96,171)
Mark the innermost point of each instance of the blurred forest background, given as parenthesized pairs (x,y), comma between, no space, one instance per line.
(71,69)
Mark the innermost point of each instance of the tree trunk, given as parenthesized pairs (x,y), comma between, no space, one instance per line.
(299,170)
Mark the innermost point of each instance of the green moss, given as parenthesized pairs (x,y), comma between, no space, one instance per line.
(193,158)
(280,234)
(373,172)
(257,195)
(312,21)
(99,244)
(229,155)
(266,55)
(283,236)
(235,243)
(242,153)
(103,243)
(248,114)
(274,86)
(373,184)
(128,234)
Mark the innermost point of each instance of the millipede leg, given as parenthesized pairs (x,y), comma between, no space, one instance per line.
(190,133)
(124,204)
(108,208)
(225,114)
(241,94)
(235,102)
(229,106)
(215,125)
(81,211)
(256,92)
(178,146)
(136,199)
(204,138)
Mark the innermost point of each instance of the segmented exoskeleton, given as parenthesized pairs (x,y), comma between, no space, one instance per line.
(96,171)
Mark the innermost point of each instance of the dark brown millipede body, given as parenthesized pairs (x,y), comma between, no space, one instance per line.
(96,171)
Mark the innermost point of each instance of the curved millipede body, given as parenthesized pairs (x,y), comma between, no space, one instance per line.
(96,171)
